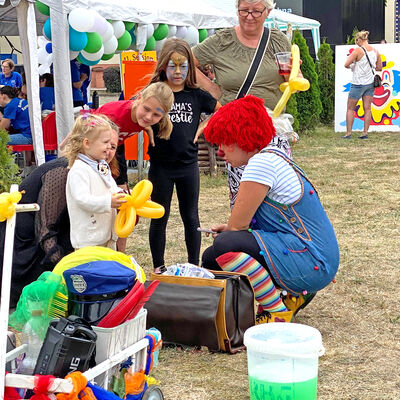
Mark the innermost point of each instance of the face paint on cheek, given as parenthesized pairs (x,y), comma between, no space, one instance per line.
(160,110)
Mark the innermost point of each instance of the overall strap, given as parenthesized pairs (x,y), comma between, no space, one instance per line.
(287,159)
(255,63)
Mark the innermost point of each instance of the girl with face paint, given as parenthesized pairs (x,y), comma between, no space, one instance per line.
(173,162)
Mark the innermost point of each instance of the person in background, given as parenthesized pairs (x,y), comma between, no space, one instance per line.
(9,77)
(230,51)
(23,94)
(85,79)
(383,41)
(47,100)
(77,81)
(360,61)
(16,116)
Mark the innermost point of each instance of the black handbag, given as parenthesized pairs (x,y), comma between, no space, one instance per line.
(203,312)
(377,78)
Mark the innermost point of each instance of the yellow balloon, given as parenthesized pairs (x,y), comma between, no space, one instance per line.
(137,203)
(150,209)
(295,83)
(125,222)
(7,204)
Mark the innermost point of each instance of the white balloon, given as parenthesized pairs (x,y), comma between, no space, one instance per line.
(93,56)
(192,36)
(106,36)
(73,54)
(210,31)
(111,45)
(42,41)
(160,44)
(181,32)
(171,31)
(81,19)
(155,26)
(44,69)
(42,55)
(119,29)
(49,59)
(150,30)
(100,24)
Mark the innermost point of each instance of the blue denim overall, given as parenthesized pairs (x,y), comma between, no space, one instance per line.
(297,240)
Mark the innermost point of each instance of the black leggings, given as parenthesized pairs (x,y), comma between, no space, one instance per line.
(235,241)
(187,181)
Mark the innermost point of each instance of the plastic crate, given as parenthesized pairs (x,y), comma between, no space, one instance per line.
(110,341)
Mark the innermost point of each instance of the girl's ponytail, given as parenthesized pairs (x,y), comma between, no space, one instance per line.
(164,95)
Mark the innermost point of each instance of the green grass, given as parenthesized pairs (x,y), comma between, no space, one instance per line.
(359,318)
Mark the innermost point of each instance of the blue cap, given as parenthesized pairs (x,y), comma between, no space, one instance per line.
(99,278)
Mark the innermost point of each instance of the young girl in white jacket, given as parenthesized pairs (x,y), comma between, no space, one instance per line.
(92,194)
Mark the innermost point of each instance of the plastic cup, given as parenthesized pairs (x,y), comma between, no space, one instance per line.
(283,62)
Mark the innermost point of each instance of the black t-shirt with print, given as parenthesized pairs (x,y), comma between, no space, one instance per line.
(185,117)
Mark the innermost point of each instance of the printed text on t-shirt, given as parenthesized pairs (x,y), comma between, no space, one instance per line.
(181,112)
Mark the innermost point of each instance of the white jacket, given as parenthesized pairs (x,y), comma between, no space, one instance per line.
(89,207)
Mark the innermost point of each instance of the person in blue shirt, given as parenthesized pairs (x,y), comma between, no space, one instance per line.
(46,93)
(8,76)
(85,79)
(16,115)
(76,83)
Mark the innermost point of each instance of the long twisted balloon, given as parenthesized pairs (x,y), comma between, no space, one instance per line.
(295,83)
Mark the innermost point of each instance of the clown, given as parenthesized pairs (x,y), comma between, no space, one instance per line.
(278,232)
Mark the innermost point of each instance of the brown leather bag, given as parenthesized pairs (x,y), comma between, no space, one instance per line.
(203,312)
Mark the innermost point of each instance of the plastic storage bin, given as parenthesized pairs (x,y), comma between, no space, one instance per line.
(112,340)
(283,361)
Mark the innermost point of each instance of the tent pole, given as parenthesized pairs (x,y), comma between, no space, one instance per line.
(62,71)
(27,32)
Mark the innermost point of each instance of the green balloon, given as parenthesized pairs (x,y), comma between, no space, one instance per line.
(161,32)
(129,25)
(202,34)
(150,44)
(42,8)
(124,41)
(107,57)
(94,42)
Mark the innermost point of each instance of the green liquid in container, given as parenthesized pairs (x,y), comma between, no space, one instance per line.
(264,390)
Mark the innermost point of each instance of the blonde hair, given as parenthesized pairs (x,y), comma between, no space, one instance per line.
(164,95)
(86,126)
(267,3)
(363,35)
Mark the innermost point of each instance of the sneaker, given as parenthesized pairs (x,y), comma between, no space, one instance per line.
(363,137)
(295,304)
(345,137)
(279,316)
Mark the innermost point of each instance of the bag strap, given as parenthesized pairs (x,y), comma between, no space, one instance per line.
(255,63)
(365,51)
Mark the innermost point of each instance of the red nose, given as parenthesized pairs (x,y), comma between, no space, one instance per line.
(220,153)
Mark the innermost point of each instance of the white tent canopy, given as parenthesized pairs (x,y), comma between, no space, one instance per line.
(176,12)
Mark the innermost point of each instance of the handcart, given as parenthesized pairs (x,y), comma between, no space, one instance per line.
(114,345)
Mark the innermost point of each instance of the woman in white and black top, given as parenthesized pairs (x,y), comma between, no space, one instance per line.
(362,82)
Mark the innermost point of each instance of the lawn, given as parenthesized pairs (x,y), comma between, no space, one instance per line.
(359,316)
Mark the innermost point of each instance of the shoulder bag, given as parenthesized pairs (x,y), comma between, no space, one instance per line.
(255,63)
(203,312)
(377,78)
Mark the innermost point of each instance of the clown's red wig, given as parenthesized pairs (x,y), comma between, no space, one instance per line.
(244,121)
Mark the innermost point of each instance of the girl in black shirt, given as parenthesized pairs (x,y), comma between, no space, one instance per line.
(174,161)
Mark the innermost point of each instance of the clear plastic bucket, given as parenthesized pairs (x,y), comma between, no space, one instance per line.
(283,361)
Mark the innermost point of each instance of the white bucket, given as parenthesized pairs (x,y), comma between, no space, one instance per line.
(283,361)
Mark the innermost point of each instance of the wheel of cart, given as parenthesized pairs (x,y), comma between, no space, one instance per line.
(153,393)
